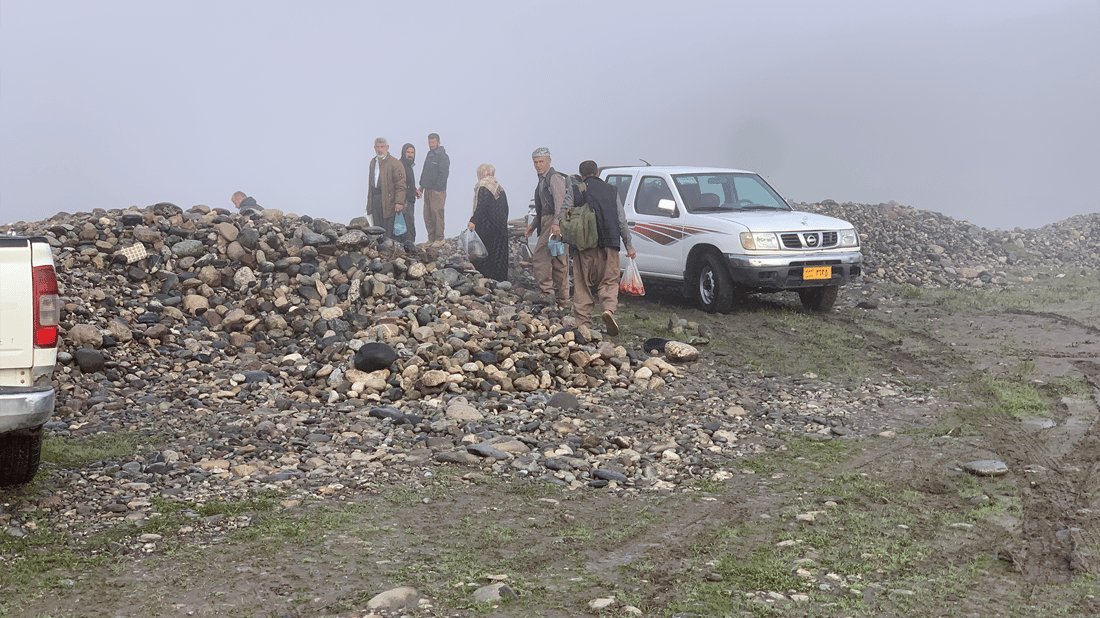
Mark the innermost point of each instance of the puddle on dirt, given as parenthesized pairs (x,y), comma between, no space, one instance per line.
(1039,423)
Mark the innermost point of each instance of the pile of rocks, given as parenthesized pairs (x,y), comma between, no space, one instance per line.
(902,244)
(204,287)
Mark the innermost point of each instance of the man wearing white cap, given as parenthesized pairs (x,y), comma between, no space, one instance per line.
(552,196)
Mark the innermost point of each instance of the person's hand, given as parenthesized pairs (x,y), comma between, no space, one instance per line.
(555,230)
(419,193)
(631,253)
(530,230)
(470,226)
(399,207)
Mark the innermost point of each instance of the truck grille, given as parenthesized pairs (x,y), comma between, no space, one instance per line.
(808,240)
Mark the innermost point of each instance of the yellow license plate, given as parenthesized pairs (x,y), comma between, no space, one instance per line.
(818,272)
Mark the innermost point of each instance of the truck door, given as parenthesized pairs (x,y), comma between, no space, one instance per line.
(656,225)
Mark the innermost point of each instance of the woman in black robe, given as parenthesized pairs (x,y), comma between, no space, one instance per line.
(490,221)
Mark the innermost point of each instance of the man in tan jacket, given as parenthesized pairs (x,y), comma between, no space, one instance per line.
(386,194)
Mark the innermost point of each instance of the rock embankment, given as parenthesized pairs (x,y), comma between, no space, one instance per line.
(321,359)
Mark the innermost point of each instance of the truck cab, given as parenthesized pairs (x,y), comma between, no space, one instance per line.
(726,231)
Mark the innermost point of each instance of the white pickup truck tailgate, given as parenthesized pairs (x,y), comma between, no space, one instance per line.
(16,305)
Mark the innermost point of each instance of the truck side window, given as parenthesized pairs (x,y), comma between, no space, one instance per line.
(652,190)
(621,182)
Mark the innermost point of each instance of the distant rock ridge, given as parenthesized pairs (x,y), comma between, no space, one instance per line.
(902,244)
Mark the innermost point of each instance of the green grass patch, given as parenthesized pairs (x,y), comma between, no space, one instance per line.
(43,561)
(1013,397)
(623,523)
(1078,387)
(763,568)
(855,486)
(79,452)
(258,502)
(312,523)
(818,451)
(580,533)
(533,489)
(403,496)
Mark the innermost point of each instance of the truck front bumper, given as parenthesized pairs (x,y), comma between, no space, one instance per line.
(25,408)
(787,272)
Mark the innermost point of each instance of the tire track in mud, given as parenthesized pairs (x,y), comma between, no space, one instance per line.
(1057,317)
(1059,489)
(1055,460)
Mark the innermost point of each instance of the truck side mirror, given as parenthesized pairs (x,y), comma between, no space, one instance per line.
(667,206)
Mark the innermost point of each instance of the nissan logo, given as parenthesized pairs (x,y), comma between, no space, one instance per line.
(811,240)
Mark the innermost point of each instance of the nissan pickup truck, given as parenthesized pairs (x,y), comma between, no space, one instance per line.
(29,312)
(725,232)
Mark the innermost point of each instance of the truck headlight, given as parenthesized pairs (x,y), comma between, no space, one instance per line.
(848,238)
(759,241)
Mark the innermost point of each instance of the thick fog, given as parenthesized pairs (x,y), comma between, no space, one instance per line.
(984,111)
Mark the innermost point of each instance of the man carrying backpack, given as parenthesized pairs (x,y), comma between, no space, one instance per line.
(598,267)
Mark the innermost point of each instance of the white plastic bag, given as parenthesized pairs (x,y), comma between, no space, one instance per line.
(473,246)
(631,281)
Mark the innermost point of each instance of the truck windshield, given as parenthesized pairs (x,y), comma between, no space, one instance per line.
(727,191)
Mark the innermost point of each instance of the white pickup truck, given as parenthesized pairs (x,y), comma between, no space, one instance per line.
(29,312)
(726,231)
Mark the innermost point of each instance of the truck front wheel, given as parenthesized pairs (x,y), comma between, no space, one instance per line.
(713,286)
(819,300)
(20,452)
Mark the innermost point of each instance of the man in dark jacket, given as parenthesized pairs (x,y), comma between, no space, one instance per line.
(246,205)
(433,188)
(598,267)
(408,158)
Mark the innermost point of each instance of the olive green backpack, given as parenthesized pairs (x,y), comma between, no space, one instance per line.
(578,224)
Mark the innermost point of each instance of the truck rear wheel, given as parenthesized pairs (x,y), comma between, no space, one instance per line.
(20,452)
(819,299)
(713,286)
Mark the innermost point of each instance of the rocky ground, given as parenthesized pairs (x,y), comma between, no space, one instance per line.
(239,347)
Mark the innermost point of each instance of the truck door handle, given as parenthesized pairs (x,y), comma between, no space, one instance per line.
(630,224)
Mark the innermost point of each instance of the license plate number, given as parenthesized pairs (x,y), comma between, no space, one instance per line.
(818,272)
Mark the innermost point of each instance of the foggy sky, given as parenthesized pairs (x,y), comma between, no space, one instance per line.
(984,111)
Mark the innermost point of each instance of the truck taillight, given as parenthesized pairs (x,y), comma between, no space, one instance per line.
(47,310)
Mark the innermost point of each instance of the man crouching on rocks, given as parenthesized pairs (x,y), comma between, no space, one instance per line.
(246,205)
(598,267)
